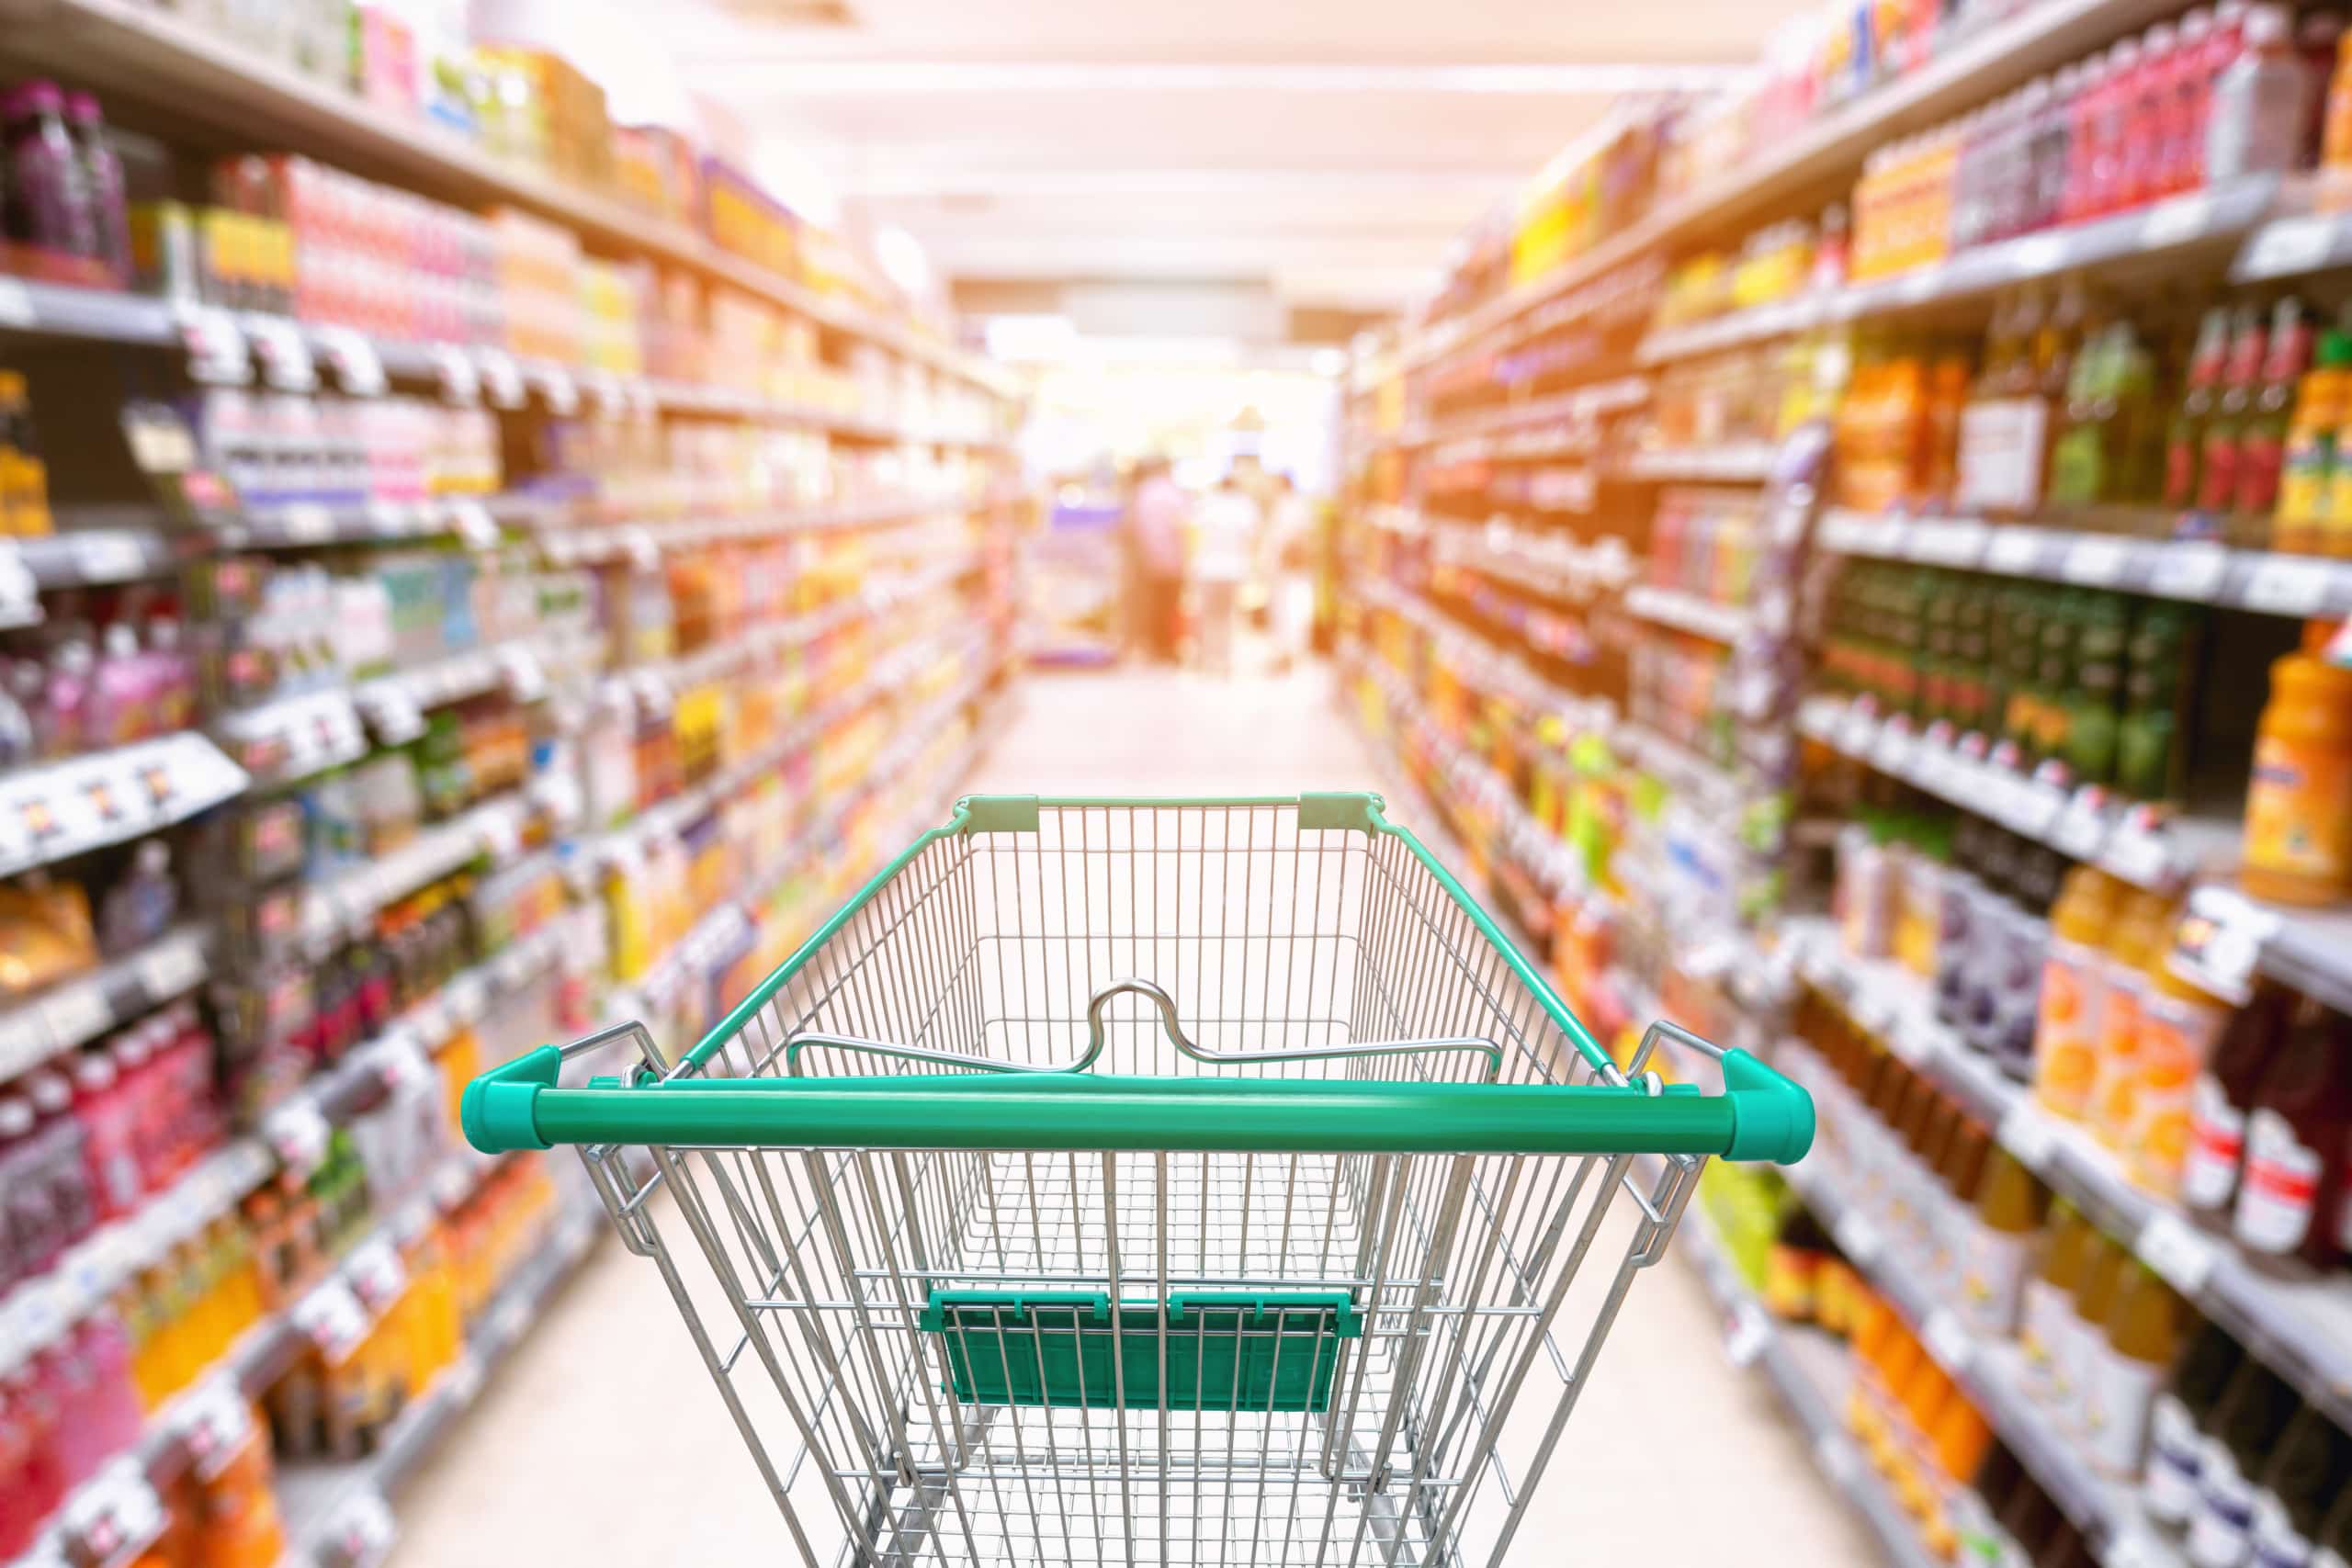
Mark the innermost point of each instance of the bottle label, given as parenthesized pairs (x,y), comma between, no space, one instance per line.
(2000,454)
(2067,1027)
(2218,1534)
(2048,1324)
(2174,1450)
(2282,1186)
(2276,1542)
(2299,810)
(1995,1270)
(2116,1079)
(2120,1392)
(2260,455)
(2176,1036)
(2216,1146)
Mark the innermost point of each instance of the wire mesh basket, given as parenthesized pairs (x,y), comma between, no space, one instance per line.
(1149,1181)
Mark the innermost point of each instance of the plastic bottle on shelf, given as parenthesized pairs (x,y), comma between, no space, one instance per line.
(2143,1328)
(2295,1140)
(2260,106)
(2083,1329)
(2178,1421)
(2066,1028)
(49,204)
(2216,466)
(2321,404)
(2184,436)
(2178,1024)
(23,477)
(2142,176)
(2084,129)
(2008,1215)
(2047,1305)
(2308,1473)
(2224,1098)
(102,178)
(2247,1423)
(2111,127)
(2142,923)
(2298,846)
(1960,1178)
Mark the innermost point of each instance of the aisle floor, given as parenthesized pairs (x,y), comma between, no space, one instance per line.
(602,1440)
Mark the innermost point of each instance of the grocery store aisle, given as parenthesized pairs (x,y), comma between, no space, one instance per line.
(602,1442)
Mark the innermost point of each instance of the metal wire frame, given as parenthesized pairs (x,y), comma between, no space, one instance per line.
(988,952)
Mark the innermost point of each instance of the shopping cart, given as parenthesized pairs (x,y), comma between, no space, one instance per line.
(1149,1181)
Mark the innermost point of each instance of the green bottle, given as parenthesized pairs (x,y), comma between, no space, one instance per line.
(2090,698)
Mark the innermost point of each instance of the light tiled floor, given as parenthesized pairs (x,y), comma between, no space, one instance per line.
(602,1440)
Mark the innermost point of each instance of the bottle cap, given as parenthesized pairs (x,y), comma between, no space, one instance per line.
(95,1072)
(2266,24)
(82,109)
(16,1117)
(36,98)
(2157,41)
(50,1091)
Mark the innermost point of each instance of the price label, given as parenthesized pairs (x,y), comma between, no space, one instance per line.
(2095,561)
(501,382)
(556,385)
(638,545)
(526,681)
(2137,852)
(108,557)
(460,381)
(2013,551)
(1857,1237)
(333,1319)
(24,1042)
(2081,826)
(1893,749)
(468,997)
(2171,222)
(75,1013)
(473,524)
(285,358)
(1856,731)
(1948,1342)
(2030,1136)
(353,358)
(115,1514)
(2220,940)
(2289,245)
(216,348)
(2191,568)
(213,1420)
(392,711)
(298,1133)
(502,835)
(1747,1334)
(2041,254)
(2135,1548)
(2185,1257)
(2039,805)
(2286,585)
(363,1530)
(1844,531)
(1837,1459)
(1958,542)
(306,523)
(463,1379)
(1923,285)
(169,968)
(400,1060)
(377,1275)
(16,304)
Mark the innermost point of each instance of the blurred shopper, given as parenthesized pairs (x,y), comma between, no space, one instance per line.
(1226,538)
(1157,521)
(1290,562)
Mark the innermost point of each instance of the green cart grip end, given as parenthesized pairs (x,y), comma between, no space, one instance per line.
(1771,1118)
(1353,811)
(499,1110)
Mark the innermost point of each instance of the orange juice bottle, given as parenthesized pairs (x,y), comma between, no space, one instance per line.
(2298,800)
(2178,1024)
(2066,1032)
(2143,928)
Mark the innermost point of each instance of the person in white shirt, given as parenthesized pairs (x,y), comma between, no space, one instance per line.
(1290,552)
(1224,542)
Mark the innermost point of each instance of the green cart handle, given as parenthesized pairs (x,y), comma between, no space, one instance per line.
(1760,1115)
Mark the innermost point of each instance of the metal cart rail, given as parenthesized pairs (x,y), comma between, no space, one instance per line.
(1149,1181)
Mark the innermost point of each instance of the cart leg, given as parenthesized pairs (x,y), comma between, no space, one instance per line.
(918,1517)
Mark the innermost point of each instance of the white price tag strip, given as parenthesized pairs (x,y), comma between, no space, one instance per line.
(2219,942)
(333,1319)
(1747,1334)
(362,1532)
(213,1420)
(1948,1342)
(2030,1136)
(1857,1237)
(357,364)
(2289,245)
(103,557)
(377,1275)
(171,967)
(285,358)
(501,382)
(216,348)
(298,1134)
(2286,585)
(115,1514)
(2189,570)
(2172,1248)
(77,1012)
(2095,561)
(16,304)
(473,524)
(460,381)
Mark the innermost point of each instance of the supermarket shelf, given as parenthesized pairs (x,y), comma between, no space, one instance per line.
(2162,232)
(339,1516)
(2308,949)
(121,47)
(493,829)
(288,738)
(476,520)
(2289,247)
(2133,842)
(85,553)
(1581,405)
(56,810)
(2106,1512)
(77,1011)
(1806,1370)
(1708,618)
(1970,71)
(1745,462)
(644,541)
(2198,570)
(1706,782)
(2300,1327)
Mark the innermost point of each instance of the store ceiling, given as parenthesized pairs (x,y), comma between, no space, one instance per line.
(1326,151)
